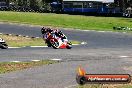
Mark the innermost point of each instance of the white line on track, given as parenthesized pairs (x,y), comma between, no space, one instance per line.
(19,35)
(123,56)
(75,44)
(10,34)
(35,60)
(101,31)
(55,59)
(83,43)
(86,30)
(26,36)
(38,46)
(16,61)
(14,47)
(43,46)
(71,86)
(109,31)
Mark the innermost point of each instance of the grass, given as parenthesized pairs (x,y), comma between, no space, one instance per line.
(20,41)
(66,21)
(6,67)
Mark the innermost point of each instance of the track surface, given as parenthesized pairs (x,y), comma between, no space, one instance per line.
(105,52)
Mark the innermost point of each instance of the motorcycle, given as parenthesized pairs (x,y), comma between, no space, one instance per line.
(3,44)
(57,42)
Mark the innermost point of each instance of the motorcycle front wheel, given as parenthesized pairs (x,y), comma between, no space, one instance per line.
(68,46)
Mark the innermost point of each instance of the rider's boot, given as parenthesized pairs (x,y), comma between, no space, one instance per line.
(48,44)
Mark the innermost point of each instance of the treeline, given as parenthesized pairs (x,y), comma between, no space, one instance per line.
(30,5)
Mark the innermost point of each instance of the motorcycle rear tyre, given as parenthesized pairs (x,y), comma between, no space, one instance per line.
(4,46)
(55,47)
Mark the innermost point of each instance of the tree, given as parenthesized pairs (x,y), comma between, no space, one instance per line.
(7,1)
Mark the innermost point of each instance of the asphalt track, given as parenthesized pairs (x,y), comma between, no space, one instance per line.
(105,52)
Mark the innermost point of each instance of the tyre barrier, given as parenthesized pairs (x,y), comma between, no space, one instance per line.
(122,28)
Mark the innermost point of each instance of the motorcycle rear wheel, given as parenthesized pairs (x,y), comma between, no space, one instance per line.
(4,46)
(54,44)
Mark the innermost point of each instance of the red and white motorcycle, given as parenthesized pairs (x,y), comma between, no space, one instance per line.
(57,42)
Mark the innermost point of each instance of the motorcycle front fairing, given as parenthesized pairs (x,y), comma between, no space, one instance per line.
(62,43)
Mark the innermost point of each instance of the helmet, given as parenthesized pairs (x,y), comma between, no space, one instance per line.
(60,33)
(49,30)
(43,30)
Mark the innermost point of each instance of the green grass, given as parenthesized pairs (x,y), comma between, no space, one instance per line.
(6,67)
(19,41)
(65,21)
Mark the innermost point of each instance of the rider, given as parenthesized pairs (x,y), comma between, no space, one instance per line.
(46,30)
(59,34)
